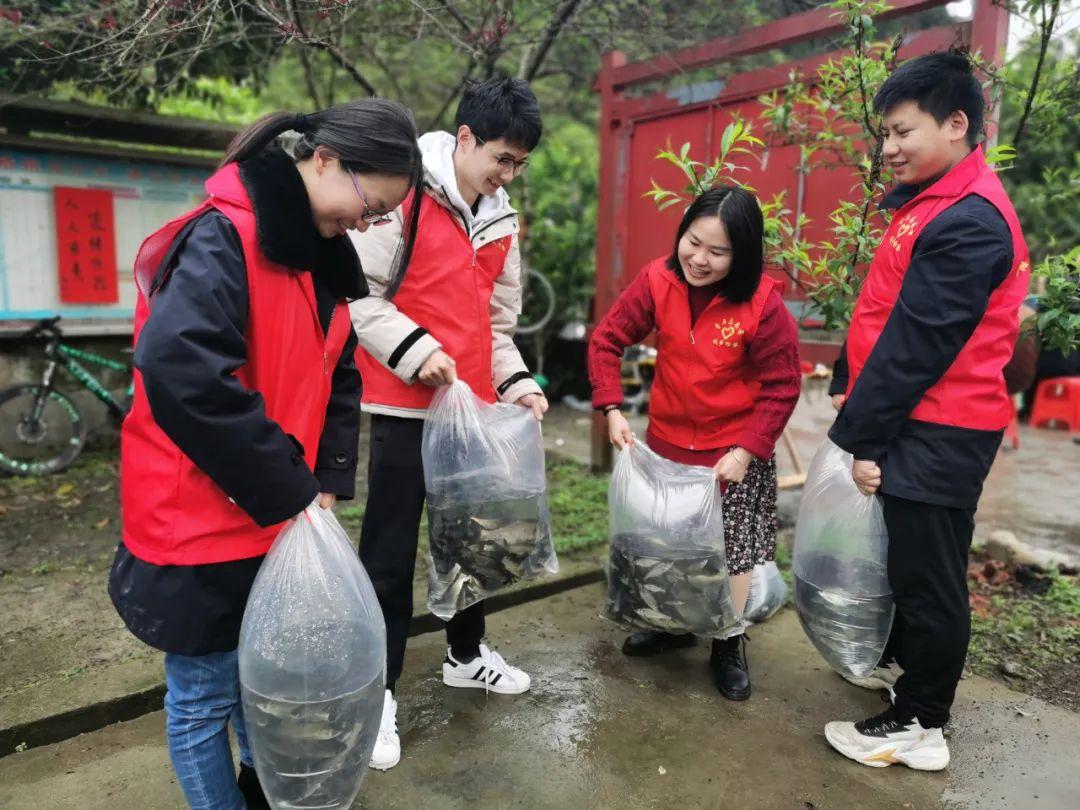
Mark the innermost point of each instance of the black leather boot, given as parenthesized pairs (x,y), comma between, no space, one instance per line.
(651,642)
(252,791)
(731,674)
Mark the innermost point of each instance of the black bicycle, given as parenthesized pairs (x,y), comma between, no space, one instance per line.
(42,430)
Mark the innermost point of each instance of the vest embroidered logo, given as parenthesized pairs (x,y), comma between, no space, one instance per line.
(1023,268)
(730,332)
(905,227)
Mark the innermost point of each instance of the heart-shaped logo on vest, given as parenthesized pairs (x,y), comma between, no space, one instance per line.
(727,332)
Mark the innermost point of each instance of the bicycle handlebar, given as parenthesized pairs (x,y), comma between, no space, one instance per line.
(45,325)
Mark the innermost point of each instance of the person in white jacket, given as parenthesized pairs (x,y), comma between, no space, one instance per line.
(451,314)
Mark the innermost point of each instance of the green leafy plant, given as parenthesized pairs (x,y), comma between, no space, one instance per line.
(700,177)
(1058,321)
(830,118)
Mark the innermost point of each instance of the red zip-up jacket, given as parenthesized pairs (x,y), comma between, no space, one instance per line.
(772,360)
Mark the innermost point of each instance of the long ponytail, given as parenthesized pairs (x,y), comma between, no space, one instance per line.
(368,136)
(258,136)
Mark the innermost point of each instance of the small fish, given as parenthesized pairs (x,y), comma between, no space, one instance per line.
(480,548)
(668,590)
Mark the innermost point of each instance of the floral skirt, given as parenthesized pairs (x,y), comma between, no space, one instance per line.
(750,518)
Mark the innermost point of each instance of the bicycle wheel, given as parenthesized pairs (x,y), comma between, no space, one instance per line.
(538,302)
(30,446)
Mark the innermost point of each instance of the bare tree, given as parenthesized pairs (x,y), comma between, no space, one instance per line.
(420,51)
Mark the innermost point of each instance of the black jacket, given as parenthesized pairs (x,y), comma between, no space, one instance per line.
(187,351)
(958,260)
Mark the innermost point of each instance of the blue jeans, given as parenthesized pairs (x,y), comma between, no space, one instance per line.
(203,695)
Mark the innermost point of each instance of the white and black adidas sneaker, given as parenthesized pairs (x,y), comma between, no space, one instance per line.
(488,671)
(887,739)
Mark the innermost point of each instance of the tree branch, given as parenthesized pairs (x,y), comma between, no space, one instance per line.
(1046,31)
(457,16)
(555,27)
(305,57)
(290,30)
(450,99)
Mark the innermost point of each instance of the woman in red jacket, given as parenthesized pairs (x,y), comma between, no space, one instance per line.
(727,380)
(247,401)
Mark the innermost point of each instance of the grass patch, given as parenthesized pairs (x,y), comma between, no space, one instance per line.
(783,557)
(1032,620)
(577,500)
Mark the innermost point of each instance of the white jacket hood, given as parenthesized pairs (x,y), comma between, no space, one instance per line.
(437,149)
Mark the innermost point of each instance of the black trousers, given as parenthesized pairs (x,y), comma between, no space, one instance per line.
(928,556)
(389,537)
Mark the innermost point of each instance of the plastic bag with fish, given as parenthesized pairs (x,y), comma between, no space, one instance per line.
(488,522)
(842,591)
(667,569)
(768,593)
(312,666)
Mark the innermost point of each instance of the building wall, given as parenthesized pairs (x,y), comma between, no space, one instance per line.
(145,196)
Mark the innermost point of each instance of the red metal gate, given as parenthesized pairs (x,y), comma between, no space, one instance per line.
(631,231)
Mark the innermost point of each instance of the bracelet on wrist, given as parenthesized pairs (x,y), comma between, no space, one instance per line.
(609,408)
(739,461)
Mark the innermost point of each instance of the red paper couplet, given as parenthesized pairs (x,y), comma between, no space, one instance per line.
(85,246)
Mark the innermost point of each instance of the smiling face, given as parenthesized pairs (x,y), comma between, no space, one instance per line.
(917,148)
(335,204)
(482,168)
(705,253)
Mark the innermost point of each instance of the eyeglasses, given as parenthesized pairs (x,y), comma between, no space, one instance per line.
(369,216)
(505,162)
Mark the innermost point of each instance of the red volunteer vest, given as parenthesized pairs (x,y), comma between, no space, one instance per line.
(173,514)
(447,290)
(972,392)
(705,384)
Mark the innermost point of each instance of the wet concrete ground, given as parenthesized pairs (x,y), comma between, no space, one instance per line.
(600,730)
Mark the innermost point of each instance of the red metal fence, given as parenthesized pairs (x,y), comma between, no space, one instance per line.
(631,231)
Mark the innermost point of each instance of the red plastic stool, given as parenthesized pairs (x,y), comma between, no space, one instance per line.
(1057,401)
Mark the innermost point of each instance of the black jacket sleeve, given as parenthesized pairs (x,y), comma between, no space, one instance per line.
(839,382)
(959,259)
(188,352)
(335,466)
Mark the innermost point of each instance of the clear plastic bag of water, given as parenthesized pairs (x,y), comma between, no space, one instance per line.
(667,569)
(768,593)
(842,591)
(488,522)
(312,661)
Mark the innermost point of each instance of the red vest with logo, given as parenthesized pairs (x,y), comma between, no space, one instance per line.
(972,393)
(447,290)
(705,383)
(173,514)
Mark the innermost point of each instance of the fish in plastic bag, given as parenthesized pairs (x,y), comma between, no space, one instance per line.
(667,569)
(842,591)
(488,521)
(312,660)
(768,593)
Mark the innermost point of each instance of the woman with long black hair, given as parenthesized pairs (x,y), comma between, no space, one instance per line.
(247,400)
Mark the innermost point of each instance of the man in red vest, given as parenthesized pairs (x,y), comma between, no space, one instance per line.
(921,394)
(453,315)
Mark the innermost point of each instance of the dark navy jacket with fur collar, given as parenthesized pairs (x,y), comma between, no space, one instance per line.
(201,291)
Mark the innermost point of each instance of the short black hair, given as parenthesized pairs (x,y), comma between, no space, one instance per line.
(501,108)
(738,209)
(941,84)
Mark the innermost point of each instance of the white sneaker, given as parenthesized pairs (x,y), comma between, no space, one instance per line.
(886,740)
(882,678)
(387,751)
(488,671)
